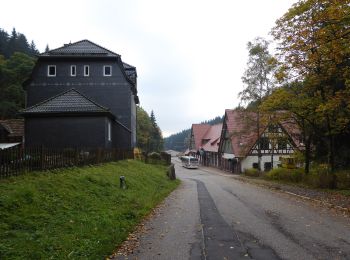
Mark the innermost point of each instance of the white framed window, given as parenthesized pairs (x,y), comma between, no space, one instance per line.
(86,70)
(51,70)
(107,71)
(73,70)
(109,131)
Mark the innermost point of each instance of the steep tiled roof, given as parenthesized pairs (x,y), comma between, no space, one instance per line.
(199,130)
(15,127)
(213,135)
(242,129)
(66,102)
(80,48)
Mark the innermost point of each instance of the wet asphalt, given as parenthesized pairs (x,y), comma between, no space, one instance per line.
(214,216)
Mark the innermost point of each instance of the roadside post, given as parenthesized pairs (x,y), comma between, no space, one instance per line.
(122,182)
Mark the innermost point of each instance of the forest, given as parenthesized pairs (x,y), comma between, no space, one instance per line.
(17,58)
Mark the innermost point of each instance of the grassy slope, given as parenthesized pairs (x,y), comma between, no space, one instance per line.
(77,213)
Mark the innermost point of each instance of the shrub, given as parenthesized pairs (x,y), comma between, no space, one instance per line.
(319,177)
(154,156)
(252,172)
(283,174)
(343,179)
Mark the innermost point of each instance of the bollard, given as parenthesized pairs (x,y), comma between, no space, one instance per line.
(122,182)
(171,172)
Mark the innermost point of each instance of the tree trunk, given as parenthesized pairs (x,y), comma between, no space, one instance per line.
(307,154)
(259,150)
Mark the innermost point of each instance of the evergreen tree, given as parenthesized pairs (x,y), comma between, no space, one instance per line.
(12,74)
(156,139)
(12,44)
(22,43)
(33,49)
(16,42)
(149,136)
(4,37)
(47,49)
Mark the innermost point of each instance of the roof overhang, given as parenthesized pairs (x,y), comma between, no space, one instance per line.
(4,146)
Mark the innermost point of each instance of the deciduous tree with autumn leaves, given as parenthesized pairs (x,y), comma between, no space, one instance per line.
(313,40)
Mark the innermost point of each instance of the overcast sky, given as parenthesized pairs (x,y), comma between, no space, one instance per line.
(190,55)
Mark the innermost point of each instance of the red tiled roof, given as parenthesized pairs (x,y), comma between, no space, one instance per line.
(213,135)
(242,128)
(198,131)
(15,127)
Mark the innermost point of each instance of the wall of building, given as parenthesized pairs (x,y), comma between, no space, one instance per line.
(121,137)
(247,163)
(61,132)
(113,92)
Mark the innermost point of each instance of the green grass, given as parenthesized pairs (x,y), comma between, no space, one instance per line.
(77,213)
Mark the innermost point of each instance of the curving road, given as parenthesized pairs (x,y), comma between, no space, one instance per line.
(214,216)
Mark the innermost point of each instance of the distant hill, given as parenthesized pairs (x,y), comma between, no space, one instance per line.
(178,141)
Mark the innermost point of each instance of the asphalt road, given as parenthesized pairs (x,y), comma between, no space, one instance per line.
(214,216)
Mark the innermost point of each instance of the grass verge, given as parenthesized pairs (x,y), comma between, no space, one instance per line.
(77,213)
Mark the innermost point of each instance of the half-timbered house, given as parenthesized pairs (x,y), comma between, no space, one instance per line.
(241,142)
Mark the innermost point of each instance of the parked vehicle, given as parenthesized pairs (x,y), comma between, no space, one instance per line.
(189,162)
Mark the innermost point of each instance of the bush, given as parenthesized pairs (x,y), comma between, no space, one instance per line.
(251,172)
(321,177)
(283,174)
(154,156)
(343,180)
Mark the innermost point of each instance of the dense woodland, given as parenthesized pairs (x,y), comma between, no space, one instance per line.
(17,58)
(149,135)
(180,141)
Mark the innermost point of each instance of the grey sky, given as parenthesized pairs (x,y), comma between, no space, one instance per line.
(190,55)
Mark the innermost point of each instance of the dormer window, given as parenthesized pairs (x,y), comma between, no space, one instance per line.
(86,70)
(73,70)
(107,70)
(51,71)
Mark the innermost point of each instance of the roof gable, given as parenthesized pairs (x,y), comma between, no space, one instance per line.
(80,48)
(213,137)
(242,130)
(198,132)
(66,102)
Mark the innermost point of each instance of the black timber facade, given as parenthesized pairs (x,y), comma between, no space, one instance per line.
(115,93)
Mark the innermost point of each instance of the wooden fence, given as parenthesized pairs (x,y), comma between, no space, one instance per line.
(16,160)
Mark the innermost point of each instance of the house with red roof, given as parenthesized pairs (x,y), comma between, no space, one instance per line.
(204,142)
(240,147)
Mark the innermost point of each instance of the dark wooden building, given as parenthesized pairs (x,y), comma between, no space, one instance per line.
(81,95)
(11,131)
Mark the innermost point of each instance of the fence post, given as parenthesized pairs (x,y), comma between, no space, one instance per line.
(41,158)
(76,156)
(98,155)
